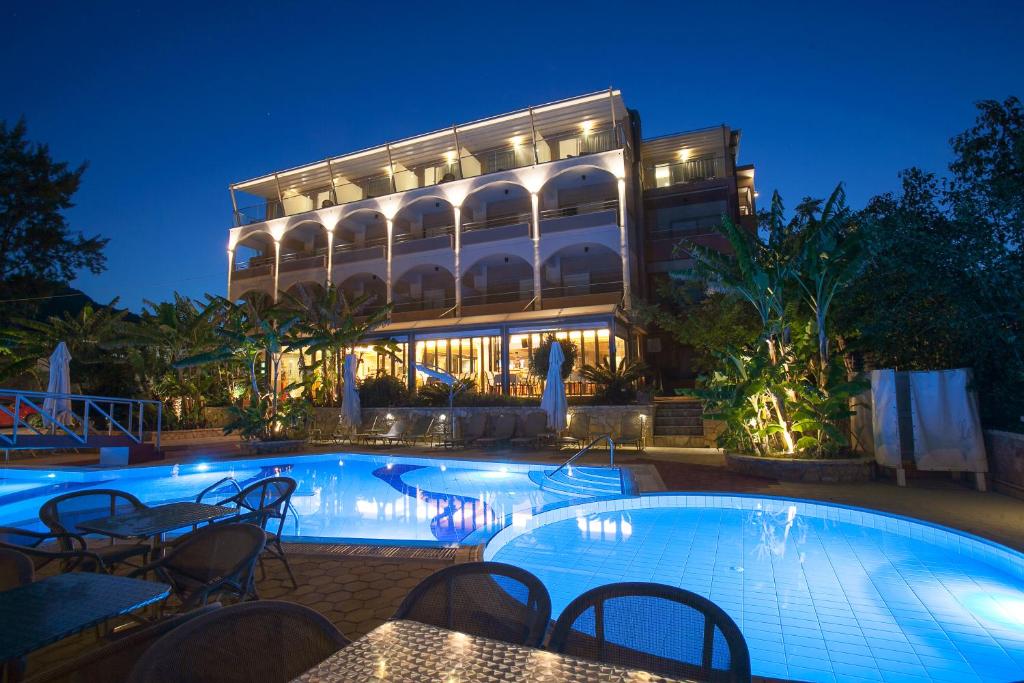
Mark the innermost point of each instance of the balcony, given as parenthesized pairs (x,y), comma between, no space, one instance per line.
(571,128)
(510,226)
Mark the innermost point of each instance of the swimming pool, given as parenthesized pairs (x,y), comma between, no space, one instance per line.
(821,592)
(339,496)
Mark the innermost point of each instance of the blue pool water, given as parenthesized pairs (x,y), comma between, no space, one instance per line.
(821,593)
(380,497)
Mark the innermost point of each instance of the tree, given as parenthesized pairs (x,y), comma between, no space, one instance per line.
(541,357)
(38,251)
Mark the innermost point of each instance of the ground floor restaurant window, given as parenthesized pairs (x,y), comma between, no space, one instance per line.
(475,358)
(374,362)
(592,348)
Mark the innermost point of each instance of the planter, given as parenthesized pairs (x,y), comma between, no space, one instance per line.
(272,447)
(846,471)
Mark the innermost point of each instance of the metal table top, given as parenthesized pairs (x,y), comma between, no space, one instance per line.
(407,651)
(155,520)
(46,611)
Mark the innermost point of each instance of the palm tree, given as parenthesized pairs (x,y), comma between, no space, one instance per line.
(331,323)
(616,385)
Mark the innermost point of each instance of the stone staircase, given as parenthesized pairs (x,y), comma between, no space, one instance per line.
(679,423)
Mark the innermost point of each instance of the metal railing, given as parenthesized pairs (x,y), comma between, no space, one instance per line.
(568,463)
(73,421)
(497,222)
(581,208)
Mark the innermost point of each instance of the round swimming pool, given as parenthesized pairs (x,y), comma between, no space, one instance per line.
(821,592)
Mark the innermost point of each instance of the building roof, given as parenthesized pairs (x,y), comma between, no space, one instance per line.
(518,318)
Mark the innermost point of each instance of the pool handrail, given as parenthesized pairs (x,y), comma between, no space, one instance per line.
(216,484)
(570,461)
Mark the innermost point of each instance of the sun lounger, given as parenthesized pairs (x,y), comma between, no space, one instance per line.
(532,429)
(578,432)
(396,434)
(502,430)
(470,430)
(631,432)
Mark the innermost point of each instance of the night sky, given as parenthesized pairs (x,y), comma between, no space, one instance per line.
(171,102)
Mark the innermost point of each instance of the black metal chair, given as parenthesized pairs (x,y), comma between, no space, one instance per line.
(214,560)
(488,599)
(115,660)
(267,641)
(62,514)
(43,547)
(661,629)
(261,503)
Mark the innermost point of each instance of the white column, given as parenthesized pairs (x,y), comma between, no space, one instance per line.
(624,245)
(535,206)
(277,266)
(457,210)
(391,229)
(330,255)
(231,268)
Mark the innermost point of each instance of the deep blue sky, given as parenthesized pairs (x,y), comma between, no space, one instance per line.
(170,102)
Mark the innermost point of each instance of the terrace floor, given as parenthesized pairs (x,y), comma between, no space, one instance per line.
(359,593)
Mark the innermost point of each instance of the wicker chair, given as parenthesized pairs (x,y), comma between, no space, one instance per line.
(214,560)
(115,661)
(42,548)
(267,641)
(487,599)
(661,629)
(16,569)
(262,503)
(62,514)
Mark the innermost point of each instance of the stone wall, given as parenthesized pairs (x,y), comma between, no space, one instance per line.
(603,419)
(1006,461)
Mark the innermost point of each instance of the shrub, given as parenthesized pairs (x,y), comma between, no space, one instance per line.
(383,392)
(542,354)
(615,386)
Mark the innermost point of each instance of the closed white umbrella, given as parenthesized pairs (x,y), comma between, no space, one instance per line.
(60,383)
(553,400)
(351,409)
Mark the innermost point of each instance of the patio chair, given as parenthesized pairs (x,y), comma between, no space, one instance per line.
(657,628)
(501,431)
(578,433)
(62,514)
(395,434)
(16,569)
(488,599)
(267,641)
(261,503)
(115,660)
(377,426)
(470,429)
(631,433)
(42,548)
(532,429)
(422,430)
(216,559)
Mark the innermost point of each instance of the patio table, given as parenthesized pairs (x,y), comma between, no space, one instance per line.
(155,521)
(411,651)
(43,612)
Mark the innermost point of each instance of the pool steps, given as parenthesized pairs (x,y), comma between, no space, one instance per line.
(580,482)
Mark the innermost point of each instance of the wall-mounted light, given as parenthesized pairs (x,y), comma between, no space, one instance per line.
(516,140)
(587,126)
(684,154)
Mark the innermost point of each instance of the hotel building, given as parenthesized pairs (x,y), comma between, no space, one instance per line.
(489,235)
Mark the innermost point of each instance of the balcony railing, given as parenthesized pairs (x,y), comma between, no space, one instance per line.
(681,172)
(497,222)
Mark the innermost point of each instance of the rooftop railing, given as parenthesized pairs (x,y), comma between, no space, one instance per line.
(525,150)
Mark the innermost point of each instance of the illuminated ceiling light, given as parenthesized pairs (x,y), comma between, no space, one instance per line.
(684,154)
(587,126)
(449,157)
(516,140)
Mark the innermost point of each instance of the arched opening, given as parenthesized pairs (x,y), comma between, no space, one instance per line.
(360,285)
(588,191)
(581,274)
(254,256)
(304,246)
(495,205)
(359,229)
(424,288)
(422,218)
(500,282)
